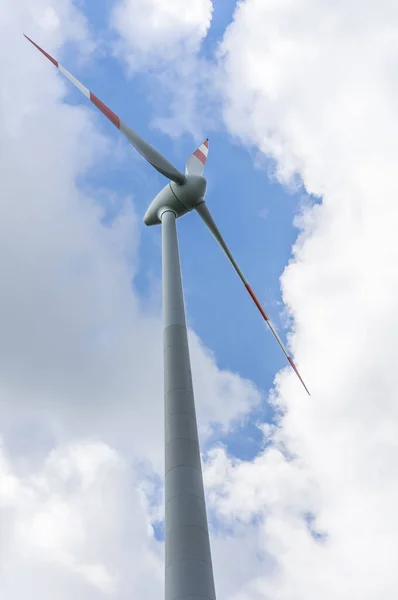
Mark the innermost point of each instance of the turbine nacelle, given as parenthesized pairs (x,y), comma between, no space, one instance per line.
(180,198)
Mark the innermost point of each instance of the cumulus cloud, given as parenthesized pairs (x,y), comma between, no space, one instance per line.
(312,86)
(166,38)
(154,33)
(79,524)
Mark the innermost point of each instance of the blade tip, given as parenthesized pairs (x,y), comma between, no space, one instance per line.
(289,358)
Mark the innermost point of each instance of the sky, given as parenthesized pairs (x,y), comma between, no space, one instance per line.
(299,100)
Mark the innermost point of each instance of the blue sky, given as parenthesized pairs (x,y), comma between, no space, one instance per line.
(253,211)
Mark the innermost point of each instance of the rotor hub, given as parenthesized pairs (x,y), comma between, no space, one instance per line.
(180,198)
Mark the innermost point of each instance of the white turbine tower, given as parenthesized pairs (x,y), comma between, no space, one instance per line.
(188,563)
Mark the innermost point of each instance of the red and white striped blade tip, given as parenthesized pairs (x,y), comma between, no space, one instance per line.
(114,119)
(202,152)
(196,162)
(275,334)
(298,374)
(55,62)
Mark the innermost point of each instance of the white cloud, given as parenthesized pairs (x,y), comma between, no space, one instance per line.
(78,523)
(153,32)
(313,85)
(166,38)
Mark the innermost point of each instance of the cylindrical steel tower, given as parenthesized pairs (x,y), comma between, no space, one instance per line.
(189,570)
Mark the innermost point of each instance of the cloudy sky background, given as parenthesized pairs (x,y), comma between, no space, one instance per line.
(299,100)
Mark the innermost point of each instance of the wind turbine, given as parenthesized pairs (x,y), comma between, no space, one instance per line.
(188,562)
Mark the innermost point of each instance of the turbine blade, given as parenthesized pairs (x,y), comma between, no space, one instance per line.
(209,221)
(196,162)
(159,162)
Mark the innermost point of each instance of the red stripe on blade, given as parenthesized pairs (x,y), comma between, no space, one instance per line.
(206,142)
(256,302)
(199,154)
(298,374)
(105,110)
(42,51)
